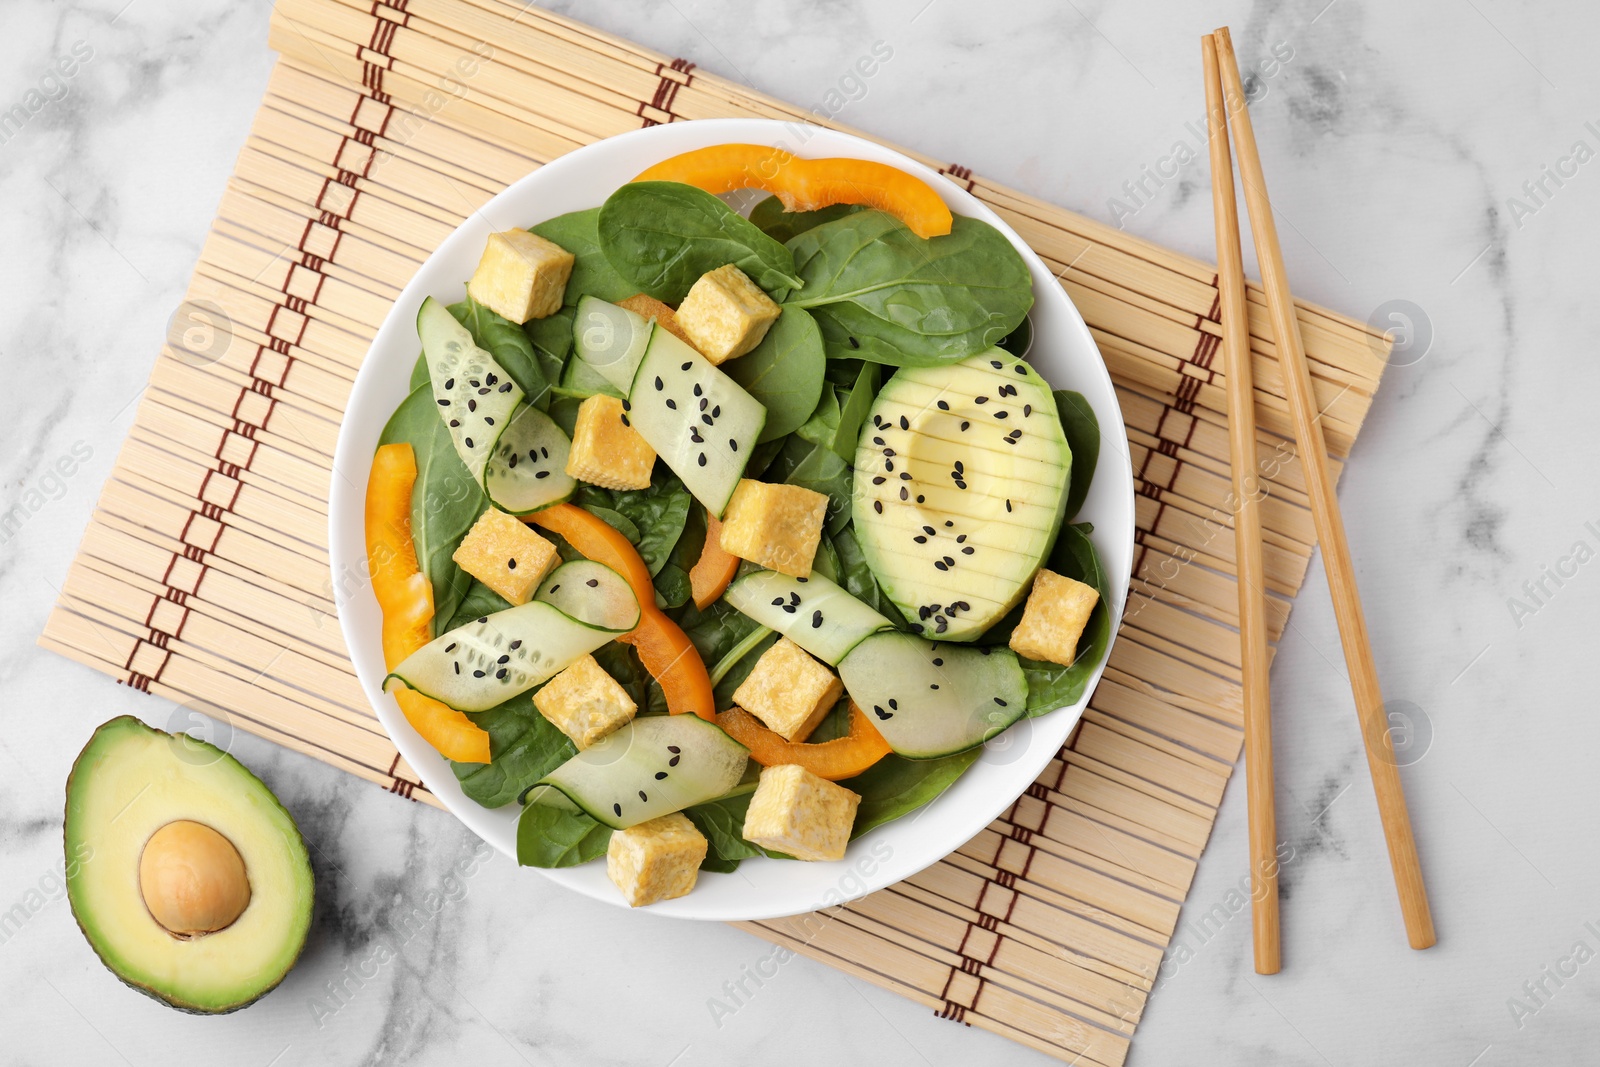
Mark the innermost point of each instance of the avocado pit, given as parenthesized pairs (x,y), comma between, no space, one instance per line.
(193,879)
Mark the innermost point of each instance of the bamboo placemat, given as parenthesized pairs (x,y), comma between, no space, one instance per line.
(203,576)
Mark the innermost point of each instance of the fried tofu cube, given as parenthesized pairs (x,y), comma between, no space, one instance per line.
(656,860)
(789,691)
(606,450)
(795,812)
(1058,609)
(777,526)
(521,276)
(585,703)
(506,554)
(726,314)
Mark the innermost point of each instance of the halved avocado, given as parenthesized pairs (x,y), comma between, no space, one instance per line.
(164,825)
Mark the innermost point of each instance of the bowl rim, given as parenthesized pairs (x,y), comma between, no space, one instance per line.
(886,854)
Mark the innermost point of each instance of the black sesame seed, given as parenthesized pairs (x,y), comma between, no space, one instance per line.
(733,444)
(996,364)
(941,565)
(1020,369)
(961,539)
(890,452)
(880,713)
(489,419)
(444,403)
(905,423)
(626,406)
(477,674)
(483,619)
(451,647)
(674,749)
(943,624)
(905,476)
(672,404)
(919,539)
(921,498)
(500,674)
(816,619)
(916,627)
(512,462)
(894,704)
(967,551)
(949,562)
(777,601)
(701,459)
(854,343)
(503,659)
(455,423)
(933,685)
(877,440)
(449,383)
(555,587)
(1008,505)
(673,762)
(625,421)
(1002,703)
(929,530)
(542,474)
(513,646)
(706,419)
(468,441)
(716,412)
(877,505)
(790,608)
(888,465)
(659,384)
(937,662)
(685,365)
(802,581)
(617,808)
(964,425)
(704,403)
(660,775)
(483,391)
(981,400)
(878,479)
(948,522)
(643,797)
(458,667)
(545,452)
(511,564)
(697,389)
(694,435)
(904,494)
(592,582)
(943,406)
(1002,414)
(924,611)
(506,388)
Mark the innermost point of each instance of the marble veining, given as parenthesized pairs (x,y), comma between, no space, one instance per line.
(1408,147)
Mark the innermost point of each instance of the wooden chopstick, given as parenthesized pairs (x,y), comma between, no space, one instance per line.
(1246,531)
(1325,513)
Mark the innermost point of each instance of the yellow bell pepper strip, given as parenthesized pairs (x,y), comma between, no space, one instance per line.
(664,649)
(714,569)
(405,597)
(843,757)
(809,184)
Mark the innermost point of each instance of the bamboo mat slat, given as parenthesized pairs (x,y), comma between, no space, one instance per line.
(203,576)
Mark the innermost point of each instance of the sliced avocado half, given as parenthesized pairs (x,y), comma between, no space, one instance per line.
(164,825)
(960,486)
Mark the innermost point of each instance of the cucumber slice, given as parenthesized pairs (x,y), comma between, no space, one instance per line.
(592,593)
(930,699)
(812,612)
(485,663)
(611,340)
(476,396)
(528,469)
(579,379)
(653,766)
(700,421)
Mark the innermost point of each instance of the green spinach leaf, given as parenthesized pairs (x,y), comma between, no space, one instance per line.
(524,746)
(894,786)
(1052,685)
(722,823)
(781,225)
(824,472)
(662,236)
(419,371)
(550,836)
(653,519)
(479,601)
(883,294)
(552,341)
(510,347)
(853,412)
(592,274)
(1078,422)
(784,372)
(673,587)
(823,424)
(445,501)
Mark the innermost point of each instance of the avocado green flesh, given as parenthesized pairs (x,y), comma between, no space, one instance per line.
(130,781)
(956,547)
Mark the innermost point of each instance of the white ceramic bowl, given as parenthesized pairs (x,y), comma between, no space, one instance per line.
(1063,351)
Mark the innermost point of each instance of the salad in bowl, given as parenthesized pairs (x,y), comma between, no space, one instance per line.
(702,540)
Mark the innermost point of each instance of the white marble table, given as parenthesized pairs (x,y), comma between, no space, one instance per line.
(1407,152)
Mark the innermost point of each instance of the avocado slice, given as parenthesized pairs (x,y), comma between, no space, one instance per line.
(164,825)
(960,486)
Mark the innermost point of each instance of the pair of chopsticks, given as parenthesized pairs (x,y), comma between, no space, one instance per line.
(1225,110)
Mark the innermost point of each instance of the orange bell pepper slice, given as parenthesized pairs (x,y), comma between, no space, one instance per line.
(809,184)
(664,649)
(714,569)
(405,597)
(843,757)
